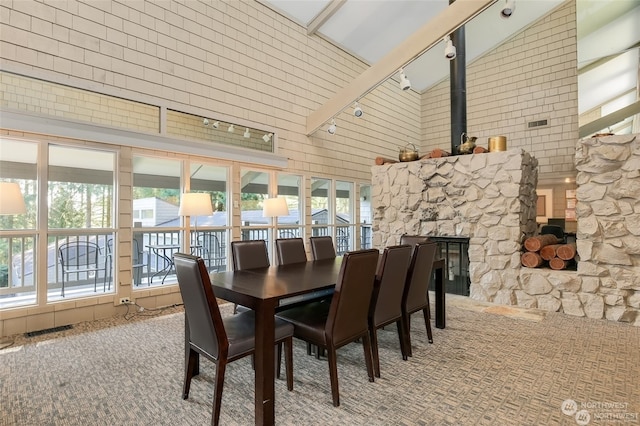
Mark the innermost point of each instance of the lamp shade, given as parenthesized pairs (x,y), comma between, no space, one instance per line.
(11,200)
(274,207)
(195,204)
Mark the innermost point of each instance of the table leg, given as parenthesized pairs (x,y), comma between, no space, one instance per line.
(439,267)
(264,363)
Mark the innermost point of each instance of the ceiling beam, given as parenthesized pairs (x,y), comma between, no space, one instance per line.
(605,59)
(323,16)
(609,119)
(454,16)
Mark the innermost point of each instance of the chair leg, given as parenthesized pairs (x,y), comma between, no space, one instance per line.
(374,349)
(366,344)
(217,391)
(189,363)
(427,323)
(333,375)
(308,348)
(278,358)
(407,333)
(401,337)
(288,360)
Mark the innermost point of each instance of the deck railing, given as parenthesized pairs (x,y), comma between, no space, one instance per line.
(18,269)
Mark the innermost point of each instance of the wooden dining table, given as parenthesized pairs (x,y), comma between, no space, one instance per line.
(265,290)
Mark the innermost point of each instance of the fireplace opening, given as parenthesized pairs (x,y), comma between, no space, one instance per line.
(455,251)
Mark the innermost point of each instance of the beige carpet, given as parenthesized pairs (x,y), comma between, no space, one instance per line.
(490,366)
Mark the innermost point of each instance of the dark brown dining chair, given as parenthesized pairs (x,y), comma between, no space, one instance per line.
(386,300)
(322,248)
(248,254)
(412,240)
(221,340)
(290,250)
(416,291)
(344,320)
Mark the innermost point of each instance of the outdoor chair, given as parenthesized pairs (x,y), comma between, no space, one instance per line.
(82,259)
(212,250)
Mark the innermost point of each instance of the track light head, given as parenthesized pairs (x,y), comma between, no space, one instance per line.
(216,124)
(205,122)
(449,48)
(332,128)
(405,84)
(508,9)
(357,111)
(267,137)
(231,128)
(247,133)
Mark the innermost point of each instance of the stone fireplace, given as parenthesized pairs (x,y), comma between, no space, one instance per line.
(490,198)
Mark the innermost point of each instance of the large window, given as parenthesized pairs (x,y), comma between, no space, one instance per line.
(209,234)
(18,255)
(289,188)
(333,212)
(80,196)
(344,217)
(320,206)
(157,224)
(366,217)
(254,190)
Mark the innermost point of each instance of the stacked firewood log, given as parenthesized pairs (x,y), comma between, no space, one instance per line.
(547,249)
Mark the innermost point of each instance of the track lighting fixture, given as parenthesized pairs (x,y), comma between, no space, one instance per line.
(507,9)
(449,48)
(357,111)
(216,124)
(267,137)
(205,121)
(405,84)
(247,134)
(332,127)
(231,128)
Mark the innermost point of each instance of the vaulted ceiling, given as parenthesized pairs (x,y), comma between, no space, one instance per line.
(607,31)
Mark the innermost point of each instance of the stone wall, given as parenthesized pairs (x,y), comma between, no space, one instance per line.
(608,213)
(489,198)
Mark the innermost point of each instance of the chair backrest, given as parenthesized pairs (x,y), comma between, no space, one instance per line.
(412,240)
(553,230)
(137,255)
(349,308)
(78,254)
(249,254)
(206,329)
(322,248)
(212,249)
(290,250)
(389,285)
(419,275)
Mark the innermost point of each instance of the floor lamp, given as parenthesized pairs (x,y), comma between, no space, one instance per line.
(195,204)
(11,203)
(274,207)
